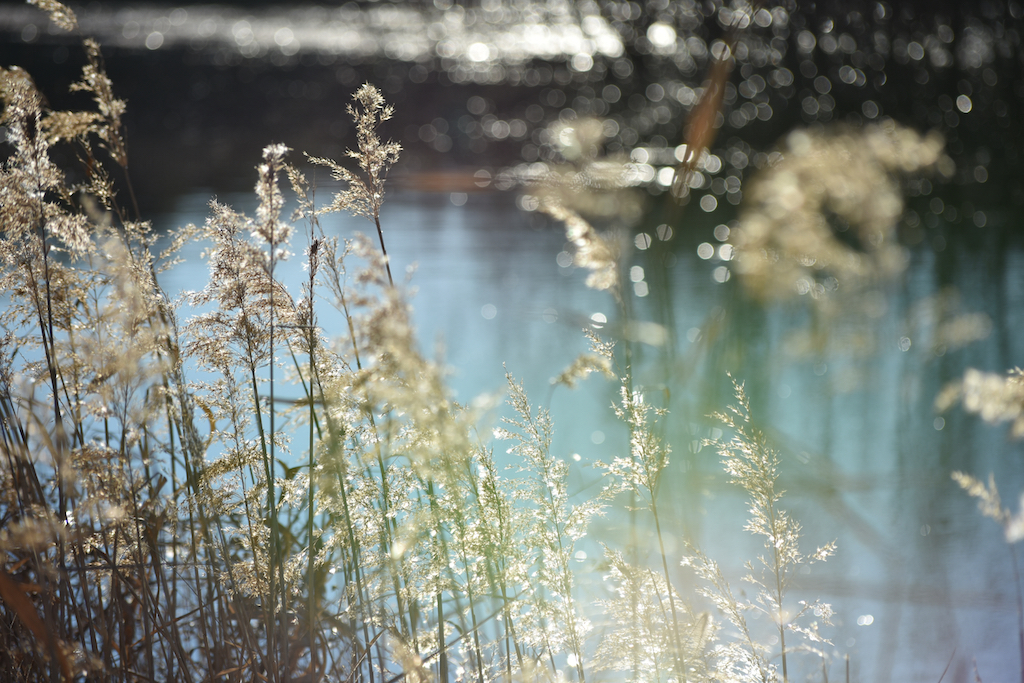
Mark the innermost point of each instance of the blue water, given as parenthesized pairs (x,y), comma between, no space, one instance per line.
(920,577)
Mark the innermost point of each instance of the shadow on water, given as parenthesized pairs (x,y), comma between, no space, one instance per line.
(848,399)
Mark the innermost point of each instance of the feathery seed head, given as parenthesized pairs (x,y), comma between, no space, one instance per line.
(364,191)
(59,13)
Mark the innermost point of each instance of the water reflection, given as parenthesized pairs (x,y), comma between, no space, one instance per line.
(641,67)
(478,40)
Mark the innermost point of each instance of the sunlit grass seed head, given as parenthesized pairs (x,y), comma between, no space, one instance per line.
(994,397)
(363,193)
(829,182)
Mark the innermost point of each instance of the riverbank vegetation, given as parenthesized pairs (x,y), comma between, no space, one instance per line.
(170,512)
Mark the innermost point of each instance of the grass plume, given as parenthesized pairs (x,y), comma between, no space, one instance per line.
(753,465)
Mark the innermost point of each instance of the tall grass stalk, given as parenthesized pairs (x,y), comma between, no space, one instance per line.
(753,465)
(640,475)
(364,193)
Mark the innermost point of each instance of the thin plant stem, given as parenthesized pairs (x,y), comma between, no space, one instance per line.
(383,249)
(777,570)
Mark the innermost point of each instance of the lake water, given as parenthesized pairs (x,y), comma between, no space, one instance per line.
(867,459)
(920,578)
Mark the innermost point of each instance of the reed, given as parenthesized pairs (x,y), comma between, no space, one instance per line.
(168,514)
(753,465)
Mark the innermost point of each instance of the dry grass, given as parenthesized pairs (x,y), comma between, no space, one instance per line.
(166,517)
